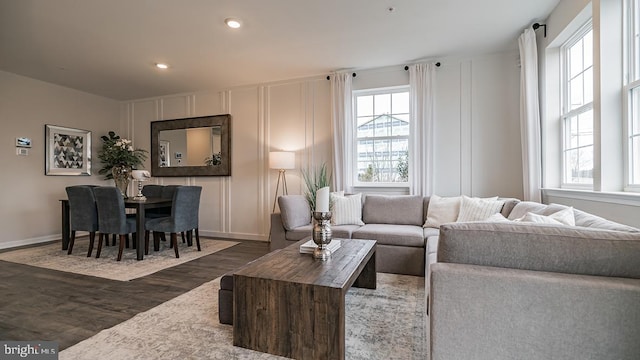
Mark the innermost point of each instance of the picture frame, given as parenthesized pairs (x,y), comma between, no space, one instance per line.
(68,151)
(23,142)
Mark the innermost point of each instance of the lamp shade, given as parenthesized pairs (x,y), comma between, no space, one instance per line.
(282,160)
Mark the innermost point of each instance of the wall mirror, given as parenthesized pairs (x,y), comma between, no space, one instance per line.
(197,146)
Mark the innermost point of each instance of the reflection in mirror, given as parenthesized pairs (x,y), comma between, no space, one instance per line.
(191,146)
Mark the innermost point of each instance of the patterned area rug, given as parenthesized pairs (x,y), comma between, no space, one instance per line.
(386,323)
(52,257)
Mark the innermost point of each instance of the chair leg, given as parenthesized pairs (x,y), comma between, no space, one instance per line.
(122,241)
(134,238)
(198,239)
(71,241)
(156,241)
(189,238)
(113,240)
(174,241)
(106,240)
(182,234)
(92,238)
(146,242)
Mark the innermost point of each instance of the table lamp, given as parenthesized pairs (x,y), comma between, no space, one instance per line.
(282,161)
(140,176)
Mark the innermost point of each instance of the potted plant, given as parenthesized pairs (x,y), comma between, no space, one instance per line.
(319,179)
(118,159)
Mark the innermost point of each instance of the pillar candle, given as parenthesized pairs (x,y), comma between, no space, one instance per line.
(322,199)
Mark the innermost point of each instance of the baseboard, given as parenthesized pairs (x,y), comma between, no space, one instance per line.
(31,241)
(239,236)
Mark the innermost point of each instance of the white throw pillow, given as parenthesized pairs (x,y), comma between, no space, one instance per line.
(564,216)
(347,210)
(498,218)
(539,219)
(442,210)
(476,209)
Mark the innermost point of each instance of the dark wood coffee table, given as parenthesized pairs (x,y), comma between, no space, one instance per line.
(289,304)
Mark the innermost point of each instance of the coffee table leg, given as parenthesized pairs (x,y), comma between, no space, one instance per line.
(367,278)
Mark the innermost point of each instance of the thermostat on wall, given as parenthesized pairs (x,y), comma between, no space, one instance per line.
(22,151)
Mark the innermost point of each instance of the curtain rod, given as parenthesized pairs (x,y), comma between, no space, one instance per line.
(536,26)
(329,76)
(407,67)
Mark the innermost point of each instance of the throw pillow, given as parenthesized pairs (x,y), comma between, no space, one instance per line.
(476,209)
(539,219)
(347,210)
(564,216)
(442,210)
(498,217)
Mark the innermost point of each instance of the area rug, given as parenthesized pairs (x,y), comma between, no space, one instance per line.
(52,257)
(386,323)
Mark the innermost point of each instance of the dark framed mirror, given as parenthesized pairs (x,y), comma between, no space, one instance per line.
(197,146)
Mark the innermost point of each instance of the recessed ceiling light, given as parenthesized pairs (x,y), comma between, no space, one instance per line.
(162,66)
(232,23)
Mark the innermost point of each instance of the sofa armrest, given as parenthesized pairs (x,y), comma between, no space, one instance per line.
(479,312)
(538,247)
(277,234)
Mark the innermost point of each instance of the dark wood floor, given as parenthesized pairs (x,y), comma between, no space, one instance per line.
(41,304)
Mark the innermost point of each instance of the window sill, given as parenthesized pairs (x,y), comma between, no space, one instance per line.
(621,198)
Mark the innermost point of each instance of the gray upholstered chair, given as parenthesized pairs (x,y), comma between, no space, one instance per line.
(184,216)
(152,190)
(112,218)
(82,213)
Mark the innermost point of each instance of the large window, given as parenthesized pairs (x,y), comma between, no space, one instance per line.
(632,91)
(382,135)
(577,109)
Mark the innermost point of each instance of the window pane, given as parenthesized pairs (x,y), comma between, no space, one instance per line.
(575,59)
(575,91)
(382,104)
(364,105)
(570,165)
(587,42)
(572,133)
(635,37)
(585,128)
(400,103)
(588,85)
(634,110)
(585,166)
(635,160)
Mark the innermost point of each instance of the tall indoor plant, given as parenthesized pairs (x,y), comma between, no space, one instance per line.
(118,158)
(317,180)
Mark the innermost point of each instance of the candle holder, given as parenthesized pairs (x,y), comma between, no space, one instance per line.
(140,176)
(322,234)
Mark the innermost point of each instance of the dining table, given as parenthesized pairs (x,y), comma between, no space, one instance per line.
(140,207)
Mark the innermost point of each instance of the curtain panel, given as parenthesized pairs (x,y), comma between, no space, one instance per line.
(530,117)
(421,102)
(342,127)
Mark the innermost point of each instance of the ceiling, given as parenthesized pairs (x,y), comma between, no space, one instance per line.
(109,47)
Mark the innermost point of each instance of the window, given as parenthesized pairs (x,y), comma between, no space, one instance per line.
(382,135)
(577,109)
(632,91)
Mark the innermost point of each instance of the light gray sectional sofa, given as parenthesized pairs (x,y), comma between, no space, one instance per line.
(536,291)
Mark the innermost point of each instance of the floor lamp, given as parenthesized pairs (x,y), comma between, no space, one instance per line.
(282,161)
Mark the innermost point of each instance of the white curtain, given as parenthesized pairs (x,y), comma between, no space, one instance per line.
(421,100)
(341,120)
(530,117)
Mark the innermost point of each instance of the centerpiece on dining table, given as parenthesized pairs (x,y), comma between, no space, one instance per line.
(119,158)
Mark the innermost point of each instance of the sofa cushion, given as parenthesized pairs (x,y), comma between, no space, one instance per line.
(476,209)
(347,210)
(299,233)
(385,234)
(337,232)
(592,221)
(295,211)
(427,232)
(394,209)
(442,210)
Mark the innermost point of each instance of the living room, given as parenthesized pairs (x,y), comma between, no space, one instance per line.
(477,139)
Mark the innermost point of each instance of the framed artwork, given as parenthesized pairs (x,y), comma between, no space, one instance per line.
(68,151)
(164,159)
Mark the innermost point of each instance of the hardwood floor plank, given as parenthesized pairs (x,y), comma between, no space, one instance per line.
(42,304)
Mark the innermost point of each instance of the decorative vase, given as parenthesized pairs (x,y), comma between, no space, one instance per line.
(121,176)
(322,234)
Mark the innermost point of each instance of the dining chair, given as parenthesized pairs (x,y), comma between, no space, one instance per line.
(184,216)
(82,213)
(152,190)
(112,218)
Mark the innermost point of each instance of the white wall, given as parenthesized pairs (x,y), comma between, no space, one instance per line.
(477,136)
(30,210)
